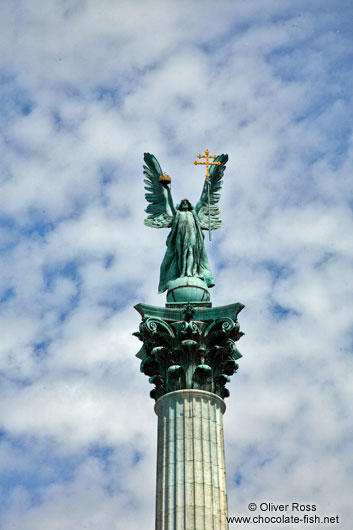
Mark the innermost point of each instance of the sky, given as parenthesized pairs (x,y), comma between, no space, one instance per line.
(86,88)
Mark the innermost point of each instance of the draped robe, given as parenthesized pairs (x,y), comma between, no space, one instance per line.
(185,250)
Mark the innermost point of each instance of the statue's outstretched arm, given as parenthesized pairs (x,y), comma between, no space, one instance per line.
(207,207)
(170,200)
(202,200)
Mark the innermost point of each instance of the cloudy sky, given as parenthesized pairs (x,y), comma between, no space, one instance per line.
(86,88)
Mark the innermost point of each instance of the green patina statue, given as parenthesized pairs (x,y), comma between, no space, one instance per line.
(188,344)
(186,254)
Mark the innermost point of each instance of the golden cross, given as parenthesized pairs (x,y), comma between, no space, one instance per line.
(207,163)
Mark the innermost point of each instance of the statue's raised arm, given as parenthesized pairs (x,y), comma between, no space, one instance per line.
(158,194)
(208,213)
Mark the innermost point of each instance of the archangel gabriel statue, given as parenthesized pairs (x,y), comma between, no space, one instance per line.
(186,254)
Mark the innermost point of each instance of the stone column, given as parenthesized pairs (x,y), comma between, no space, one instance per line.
(191,481)
(189,353)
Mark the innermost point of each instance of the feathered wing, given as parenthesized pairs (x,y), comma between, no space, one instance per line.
(157,209)
(215,183)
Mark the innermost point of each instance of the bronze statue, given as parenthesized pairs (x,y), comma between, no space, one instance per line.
(186,254)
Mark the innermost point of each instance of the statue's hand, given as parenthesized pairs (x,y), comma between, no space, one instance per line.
(165,180)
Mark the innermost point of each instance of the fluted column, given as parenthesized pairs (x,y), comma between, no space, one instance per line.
(191,482)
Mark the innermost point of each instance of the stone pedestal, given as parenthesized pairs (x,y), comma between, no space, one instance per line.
(191,482)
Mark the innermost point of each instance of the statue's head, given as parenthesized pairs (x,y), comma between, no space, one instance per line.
(185,205)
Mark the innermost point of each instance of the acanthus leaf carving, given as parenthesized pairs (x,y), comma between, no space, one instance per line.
(189,353)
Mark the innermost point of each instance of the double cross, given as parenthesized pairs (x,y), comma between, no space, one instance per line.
(207,163)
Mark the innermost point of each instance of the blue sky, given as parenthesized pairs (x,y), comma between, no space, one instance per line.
(86,88)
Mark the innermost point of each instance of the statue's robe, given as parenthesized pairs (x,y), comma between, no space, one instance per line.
(185,235)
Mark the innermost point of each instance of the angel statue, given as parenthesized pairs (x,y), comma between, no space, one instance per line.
(186,253)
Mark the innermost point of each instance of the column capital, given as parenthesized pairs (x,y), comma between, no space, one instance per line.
(189,346)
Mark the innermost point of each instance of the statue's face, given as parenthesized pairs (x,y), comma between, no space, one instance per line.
(184,205)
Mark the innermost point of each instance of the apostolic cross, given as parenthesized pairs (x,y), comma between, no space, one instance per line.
(207,156)
(207,163)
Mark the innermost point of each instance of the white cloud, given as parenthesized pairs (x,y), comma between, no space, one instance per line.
(87,89)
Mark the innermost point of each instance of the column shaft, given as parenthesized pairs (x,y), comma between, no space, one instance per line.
(191,481)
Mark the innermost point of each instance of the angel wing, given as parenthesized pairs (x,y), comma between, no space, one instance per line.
(157,209)
(215,182)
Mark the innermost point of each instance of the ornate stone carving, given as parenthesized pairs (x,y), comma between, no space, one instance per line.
(189,347)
